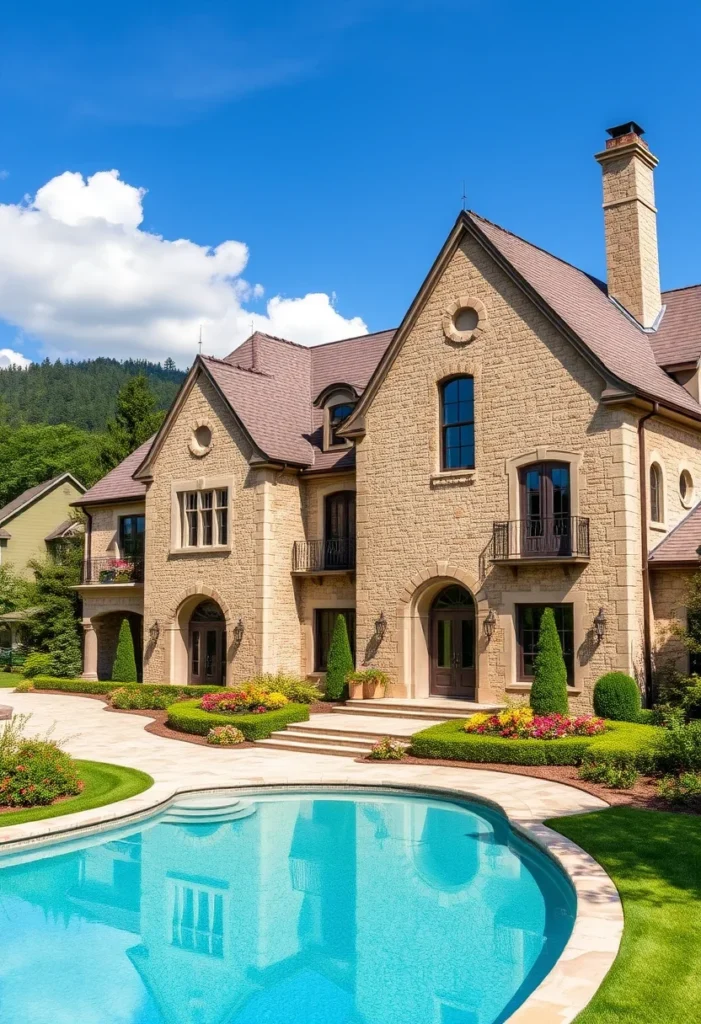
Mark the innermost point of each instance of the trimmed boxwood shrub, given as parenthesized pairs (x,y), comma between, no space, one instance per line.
(339,663)
(549,689)
(623,743)
(617,697)
(124,667)
(105,687)
(72,685)
(187,716)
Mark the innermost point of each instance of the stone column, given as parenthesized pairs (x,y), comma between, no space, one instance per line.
(89,651)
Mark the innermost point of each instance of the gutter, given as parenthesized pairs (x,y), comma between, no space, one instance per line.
(647,630)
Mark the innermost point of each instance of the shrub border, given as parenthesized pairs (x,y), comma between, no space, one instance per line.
(187,716)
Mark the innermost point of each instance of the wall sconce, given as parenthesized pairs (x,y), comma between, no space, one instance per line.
(490,624)
(237,633)
(154,632)
(380,627)
(600,626)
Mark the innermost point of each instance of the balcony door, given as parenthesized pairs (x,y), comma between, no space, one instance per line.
(546,523)
(339,533)
(452,628)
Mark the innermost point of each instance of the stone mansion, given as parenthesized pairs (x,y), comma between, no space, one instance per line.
(529,436)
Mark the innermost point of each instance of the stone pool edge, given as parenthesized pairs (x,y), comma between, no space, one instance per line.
(564,992)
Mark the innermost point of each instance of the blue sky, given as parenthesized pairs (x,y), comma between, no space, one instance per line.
(332,139)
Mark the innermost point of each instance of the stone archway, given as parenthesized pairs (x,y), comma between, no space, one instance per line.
(177,632)
(101,633)
(414,623)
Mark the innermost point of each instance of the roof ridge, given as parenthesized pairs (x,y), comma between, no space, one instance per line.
(235,366)
(683,288)
(355,337)
(596,280)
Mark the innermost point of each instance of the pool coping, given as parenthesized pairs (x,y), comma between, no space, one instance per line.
(565,991)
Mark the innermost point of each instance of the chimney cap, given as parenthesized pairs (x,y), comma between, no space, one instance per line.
(627,128)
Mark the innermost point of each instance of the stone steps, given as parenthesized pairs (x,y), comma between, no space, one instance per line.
(280,742)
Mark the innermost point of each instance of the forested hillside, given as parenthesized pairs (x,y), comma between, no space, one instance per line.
(81,394)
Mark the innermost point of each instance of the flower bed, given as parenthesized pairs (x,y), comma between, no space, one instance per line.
(621,743)
(33,772)
(188,716)
(522,724)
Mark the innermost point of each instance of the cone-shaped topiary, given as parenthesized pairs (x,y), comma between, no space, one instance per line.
(616,696)
(339,662)
(549,689)
(124,667)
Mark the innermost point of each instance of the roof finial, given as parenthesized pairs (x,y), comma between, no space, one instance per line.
(200,341)
(464,196)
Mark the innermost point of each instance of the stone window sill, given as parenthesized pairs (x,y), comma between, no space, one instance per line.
(210,549)
(572,691)
(657,527)
(448,477)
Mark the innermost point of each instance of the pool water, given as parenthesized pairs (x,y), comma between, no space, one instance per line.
(283,908)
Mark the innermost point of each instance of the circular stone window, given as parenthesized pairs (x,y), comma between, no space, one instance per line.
(464,320)
(686,488)
(201,440)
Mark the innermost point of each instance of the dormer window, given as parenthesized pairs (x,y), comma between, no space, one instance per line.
(338,402)
(338,414)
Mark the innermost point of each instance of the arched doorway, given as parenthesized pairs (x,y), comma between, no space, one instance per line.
(207,645)
(452,644)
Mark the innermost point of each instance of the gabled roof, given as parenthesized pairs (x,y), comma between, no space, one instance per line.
(33,494)
(576,302)
(65,529)
(678,338)
(681,544)
(119,484)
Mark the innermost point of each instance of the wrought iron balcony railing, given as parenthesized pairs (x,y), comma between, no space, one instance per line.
(323,555)
(541,538)
(113,570)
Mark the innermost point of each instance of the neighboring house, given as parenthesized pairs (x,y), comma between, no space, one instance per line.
(38,521)
(525,438)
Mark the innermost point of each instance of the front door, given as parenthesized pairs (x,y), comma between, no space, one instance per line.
(452,633)
(207,647)
(546,524)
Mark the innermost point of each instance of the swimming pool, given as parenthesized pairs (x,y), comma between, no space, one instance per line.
(313,907)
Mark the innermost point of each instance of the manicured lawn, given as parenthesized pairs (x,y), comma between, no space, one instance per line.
(9,679)
(655,860)
(104,784)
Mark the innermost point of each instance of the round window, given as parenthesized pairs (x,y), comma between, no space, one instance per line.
(200,442)
(203,437)
(686,487)
(466,319)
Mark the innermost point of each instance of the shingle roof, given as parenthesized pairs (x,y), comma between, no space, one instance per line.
(66,527)
(681,544)
(119,484)
(582,302)
(32,493)
(678,338)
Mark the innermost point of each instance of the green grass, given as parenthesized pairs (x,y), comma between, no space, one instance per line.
(622,741)
(189,717)
(104,784)
(655,860)
(7,680)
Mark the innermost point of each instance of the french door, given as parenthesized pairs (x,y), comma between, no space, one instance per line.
(339,536)
(207,653)
(453,644)
(546,522)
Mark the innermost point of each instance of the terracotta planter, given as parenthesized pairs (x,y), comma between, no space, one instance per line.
(373,690)
(355,690)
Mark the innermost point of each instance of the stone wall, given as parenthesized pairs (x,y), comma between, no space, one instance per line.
(668,588)
(674,449)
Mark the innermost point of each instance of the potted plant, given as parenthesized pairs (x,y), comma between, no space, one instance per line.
(356,682)
(375,683)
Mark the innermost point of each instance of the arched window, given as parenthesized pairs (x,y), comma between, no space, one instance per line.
(458,423)
(656,494)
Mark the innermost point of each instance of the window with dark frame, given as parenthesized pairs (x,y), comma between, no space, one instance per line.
(324,622)
(458,424)
(656,493)
(204,518)
(693,629)
(131,536)
(338,414)
(528,618)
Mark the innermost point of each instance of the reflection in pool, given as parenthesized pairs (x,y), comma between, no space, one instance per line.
(287,908)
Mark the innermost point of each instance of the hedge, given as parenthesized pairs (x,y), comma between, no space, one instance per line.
(623,743)
(105,686)
(617,697)
(187,716)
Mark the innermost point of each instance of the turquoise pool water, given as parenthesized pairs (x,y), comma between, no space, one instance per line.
(288,908)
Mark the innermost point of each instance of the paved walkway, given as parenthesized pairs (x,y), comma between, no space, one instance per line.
(90,732)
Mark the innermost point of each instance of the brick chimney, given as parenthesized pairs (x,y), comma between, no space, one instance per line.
(630,222)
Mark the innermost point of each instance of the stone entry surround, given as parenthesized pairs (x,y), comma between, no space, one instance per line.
(93,733)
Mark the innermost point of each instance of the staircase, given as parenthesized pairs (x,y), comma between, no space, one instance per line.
(207,810)
(352,729)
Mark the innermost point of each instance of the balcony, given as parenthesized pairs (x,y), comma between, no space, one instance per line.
(541,540)
(323,556)
(112,571)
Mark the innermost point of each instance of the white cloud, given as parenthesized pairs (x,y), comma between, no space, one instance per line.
(8,357)
(4,175)
(78,273)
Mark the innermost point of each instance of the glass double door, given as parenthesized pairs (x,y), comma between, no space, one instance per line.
(207,654)
(546,522)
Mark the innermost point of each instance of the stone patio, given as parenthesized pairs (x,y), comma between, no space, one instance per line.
(92,733)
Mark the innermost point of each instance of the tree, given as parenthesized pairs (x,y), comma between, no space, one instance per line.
(169,365)
(549,689)
(33,453)
(136,419)
(14,590)
(54,596)
(124,667)
(339,662)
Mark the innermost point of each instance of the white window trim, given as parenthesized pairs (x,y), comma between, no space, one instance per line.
(178,489)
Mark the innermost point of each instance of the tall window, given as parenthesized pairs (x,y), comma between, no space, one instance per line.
(458,423)
(131,536)
(324,621)
(656,495)
(338,414)
(528,618)
(204,518)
